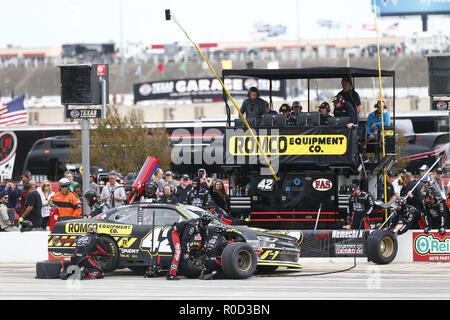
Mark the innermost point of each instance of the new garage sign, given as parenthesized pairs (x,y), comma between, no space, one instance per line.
(431,247)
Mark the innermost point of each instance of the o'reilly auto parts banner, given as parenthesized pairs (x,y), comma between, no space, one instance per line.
(204,88)
(431,247)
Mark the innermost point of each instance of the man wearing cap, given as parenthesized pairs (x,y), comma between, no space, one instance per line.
(390,192)
(374,126)
(286,110)
(296,109)
(423,169)
(324,110)
(342,108)
(170,181)
(360,206)
(253,106)
(414,198)
(438,183)
(182,190)
(350,95)
(5,222)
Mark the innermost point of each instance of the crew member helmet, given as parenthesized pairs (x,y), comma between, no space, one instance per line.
(64,182)
(91,197)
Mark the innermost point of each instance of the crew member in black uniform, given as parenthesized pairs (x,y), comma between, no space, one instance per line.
(87,246)
(198,196)
(407,214)
(350,95)
(413,197)
(186,236)
(343,108)
(324,110)
(434,203)
(95,205)
(361,206)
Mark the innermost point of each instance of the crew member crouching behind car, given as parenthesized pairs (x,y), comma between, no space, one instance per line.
(68,203)
(96,206)
(361,206)
(185,236)
(88,245)
(219,213)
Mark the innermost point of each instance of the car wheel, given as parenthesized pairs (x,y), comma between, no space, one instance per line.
(382,246)
(239,260)
(192,267)
(110,262)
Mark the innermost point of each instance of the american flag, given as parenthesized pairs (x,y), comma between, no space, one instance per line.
(13,112)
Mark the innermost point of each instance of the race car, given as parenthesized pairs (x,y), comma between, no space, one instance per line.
(135,237)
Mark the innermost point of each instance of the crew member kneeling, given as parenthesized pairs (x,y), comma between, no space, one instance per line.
(88,245)
(183,236)
(407,214)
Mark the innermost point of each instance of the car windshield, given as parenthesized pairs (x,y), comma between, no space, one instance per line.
(196,212)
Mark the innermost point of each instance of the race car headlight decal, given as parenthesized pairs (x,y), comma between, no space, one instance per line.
(266,241)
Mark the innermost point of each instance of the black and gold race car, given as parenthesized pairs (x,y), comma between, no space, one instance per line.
(135,237)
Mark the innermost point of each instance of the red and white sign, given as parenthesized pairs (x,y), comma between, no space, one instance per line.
(101,70)
(322,184)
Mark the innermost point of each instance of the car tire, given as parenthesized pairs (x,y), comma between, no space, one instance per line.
(48,269)
(189,269)
(382,246)
(111,262)
(239,260)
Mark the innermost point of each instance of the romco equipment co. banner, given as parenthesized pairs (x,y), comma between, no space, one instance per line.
(205,88)
(316,145)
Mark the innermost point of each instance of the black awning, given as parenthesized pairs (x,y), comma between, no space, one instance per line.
(308,73)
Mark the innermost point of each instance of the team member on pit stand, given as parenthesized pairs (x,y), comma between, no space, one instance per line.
(324,110)
(185,236)
(88,245)
(433,201)
(253,106)
(407,214)
(361,206)
(344,109)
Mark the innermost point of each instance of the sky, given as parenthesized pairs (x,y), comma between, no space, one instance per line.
(41,23)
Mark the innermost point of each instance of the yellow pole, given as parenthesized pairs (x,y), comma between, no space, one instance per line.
(231,98)
(382,102)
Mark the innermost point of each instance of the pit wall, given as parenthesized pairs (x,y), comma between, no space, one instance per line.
(31,247)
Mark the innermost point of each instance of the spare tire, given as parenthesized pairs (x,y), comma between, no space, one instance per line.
(239,260)
(48,269)
(382,246)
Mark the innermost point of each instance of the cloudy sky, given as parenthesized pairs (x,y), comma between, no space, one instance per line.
(29,23)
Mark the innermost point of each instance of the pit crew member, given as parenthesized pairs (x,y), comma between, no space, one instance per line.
(434,203)
(219,213)
(343,108)
(361,205)
(87,246)
(96,206)
(184,237)
(407,214)
(68,203)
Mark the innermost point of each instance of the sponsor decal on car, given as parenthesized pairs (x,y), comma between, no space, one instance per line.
(431,247)
(103,228)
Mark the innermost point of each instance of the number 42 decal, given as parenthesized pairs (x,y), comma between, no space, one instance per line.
(265,185)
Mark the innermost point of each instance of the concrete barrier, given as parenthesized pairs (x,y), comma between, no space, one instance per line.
(23,247)
(31,247)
